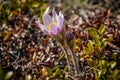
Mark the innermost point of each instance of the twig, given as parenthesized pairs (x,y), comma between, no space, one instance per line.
(113,46)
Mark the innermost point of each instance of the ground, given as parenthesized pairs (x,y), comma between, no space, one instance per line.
(29,53)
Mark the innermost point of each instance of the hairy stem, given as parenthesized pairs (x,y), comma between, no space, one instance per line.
(75,62)
(66,55)
(67,50)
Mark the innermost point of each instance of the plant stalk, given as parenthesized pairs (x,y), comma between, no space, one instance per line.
(66,55)
(75,61)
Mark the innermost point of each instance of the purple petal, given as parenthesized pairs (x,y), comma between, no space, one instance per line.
(55,16)
(59,19)
(60,23)
(61,14)
(42,27)
(54,29)
(47,19)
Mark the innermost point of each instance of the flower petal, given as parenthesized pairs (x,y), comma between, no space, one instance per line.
(59,19)
(55,16)
(42,27)
(47,19)
(61,14)
(54,30)
(60,23)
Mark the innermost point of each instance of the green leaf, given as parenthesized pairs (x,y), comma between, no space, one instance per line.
(97,75)
(9,75)
(35,4)
(104,43)
(61,57)
(102,29)
(56,73)
(46,71)
(6,35)
(84,55)
(76,43)
(90,62)
(102,64)
(93,32)
(115,74)
(49,71)
(66,68)
(90,45)
(112,64)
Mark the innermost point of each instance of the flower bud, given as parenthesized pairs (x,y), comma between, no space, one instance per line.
(69,36)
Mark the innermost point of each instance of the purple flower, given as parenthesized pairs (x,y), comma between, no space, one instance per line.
(52,25)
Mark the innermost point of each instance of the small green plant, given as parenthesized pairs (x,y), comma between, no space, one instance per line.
(54,73)
(98,42)
(103,69)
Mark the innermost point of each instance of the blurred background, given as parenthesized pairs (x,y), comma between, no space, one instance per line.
(26,53)
(9,8)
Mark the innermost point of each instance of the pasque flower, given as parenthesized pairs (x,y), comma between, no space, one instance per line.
(52,25)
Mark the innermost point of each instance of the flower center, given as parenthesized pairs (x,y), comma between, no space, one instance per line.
(48,27)
(55,23)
